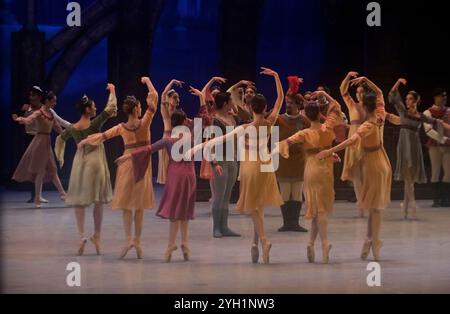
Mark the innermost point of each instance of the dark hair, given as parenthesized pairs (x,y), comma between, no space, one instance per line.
(36,90)
(47,96)
(325,88)
(85,102)
(221,99)
(129,104)
(416,96)
(439,91)
(297,99)
(312,110)
(258,103)
(370,101)
(177,118)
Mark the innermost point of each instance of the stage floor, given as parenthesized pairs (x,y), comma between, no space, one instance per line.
(38,244)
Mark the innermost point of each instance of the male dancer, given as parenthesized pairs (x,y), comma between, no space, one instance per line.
(439,150)
(290,171)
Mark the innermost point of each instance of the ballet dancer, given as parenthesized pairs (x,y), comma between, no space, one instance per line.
(352,166)
(38,163)
(319,174)
(90,181)
(128,195)
(410,167)
(257,189)
(178,200)
(290,171)
(376,167)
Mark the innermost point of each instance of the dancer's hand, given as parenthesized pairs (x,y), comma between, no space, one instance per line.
(195,91)
(269,72)
(352,74)
(26,107)
(246,83)
(358,81)
(402,81)
(324,154)
(219,170)
(110,87)
(220,80)
(176,83)
(15,117)
(122,159)
(336,158)
(145,80)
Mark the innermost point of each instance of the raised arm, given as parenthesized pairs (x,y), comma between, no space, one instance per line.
(234,91)
(169,88)
(110,109)
(280,94)
(372,86)
(152,102)
(199,94)
(395,98)
(349,101)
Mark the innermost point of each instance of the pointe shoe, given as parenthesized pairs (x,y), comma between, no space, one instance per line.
(43,200)
(63,196)
(186,252)
(139,252)
(255,253)
(37,205)
(96,243)
(366,249)
(82,246)
(413,213)
(266,252)
(125,250)
(376,250)
(168,255)
(326,253)
(310,253)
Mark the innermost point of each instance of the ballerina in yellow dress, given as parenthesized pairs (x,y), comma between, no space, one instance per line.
(129,195)
(258,189)
(319,175)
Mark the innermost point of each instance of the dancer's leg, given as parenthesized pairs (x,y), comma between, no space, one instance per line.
(58,185)
(98,219)
(295,207)
(171,246)
(258,222)
(138,226)
(410,200)
(231,180)
(127,218)
(39,181)
(314,231)
(184,226)
(79,215)
(220,183)
(285,191)
(322,221)
(376,226)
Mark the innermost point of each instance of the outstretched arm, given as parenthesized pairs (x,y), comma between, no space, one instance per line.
(280,94)
(27,120)
(63,123)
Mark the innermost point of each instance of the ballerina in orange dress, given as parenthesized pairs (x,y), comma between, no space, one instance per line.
(129,195)
(318,175)
(376,169)
(352,159)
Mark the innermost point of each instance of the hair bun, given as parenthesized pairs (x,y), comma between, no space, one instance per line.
(84,99)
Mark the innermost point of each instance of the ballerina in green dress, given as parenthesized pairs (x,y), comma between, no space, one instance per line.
(89,179)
